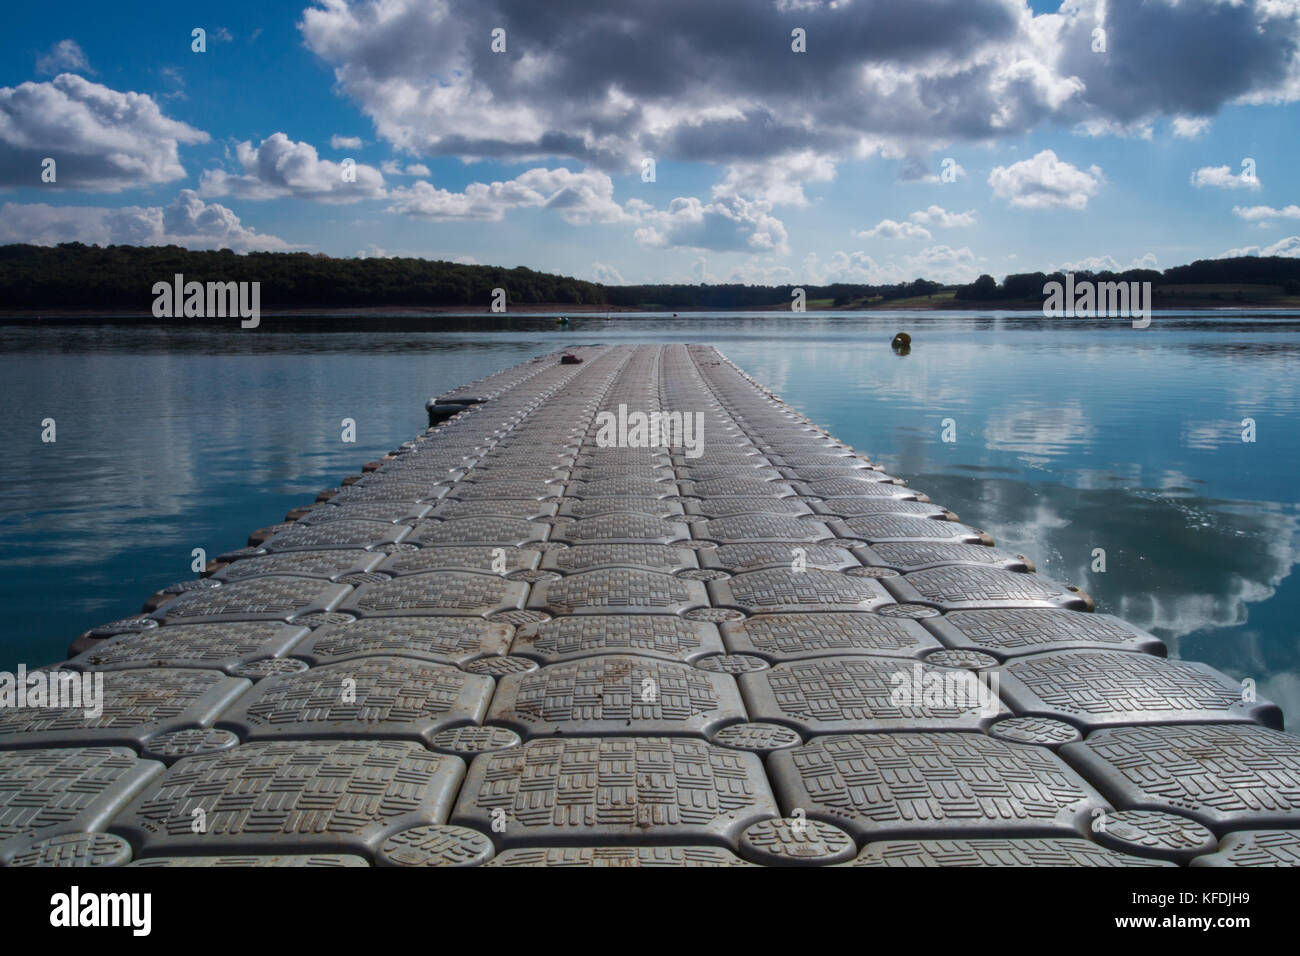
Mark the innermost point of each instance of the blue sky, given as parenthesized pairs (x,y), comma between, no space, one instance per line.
(770,165)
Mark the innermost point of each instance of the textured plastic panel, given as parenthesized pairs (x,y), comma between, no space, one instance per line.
(379,697)
(616,694)
(651,635)
(610,789)
(883,786)
(292,797)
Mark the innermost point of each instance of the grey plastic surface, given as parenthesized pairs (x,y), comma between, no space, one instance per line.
(616,694)
(135,705)
(1226,776)
(653,635)
(792,636)
(442,639)
(309,796)
(664,790)
(507,645)
(51,793)
(1096,688)
(1000,852)
(828,695)
(368,697)
(917,785)
(219,646)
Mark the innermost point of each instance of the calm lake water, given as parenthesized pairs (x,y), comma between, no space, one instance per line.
(1071,436)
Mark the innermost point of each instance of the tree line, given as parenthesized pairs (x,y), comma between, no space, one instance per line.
(667,297)
(1242,270)
(121,278)
(76,276)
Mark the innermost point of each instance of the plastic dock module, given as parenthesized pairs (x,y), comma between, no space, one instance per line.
(636,611)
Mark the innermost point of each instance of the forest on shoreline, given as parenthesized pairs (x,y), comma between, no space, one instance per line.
(73,277)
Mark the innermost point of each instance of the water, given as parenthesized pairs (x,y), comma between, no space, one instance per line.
(1071,436)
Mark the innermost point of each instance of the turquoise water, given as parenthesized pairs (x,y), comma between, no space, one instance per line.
(1070,436)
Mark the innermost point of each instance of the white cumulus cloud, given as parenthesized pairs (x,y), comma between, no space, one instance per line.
(391,167)
(64,55)
(583,197)
(1190,127)
(1288,247)
(101,140)
(1223,177)
(938,216)
(186,221)
(1256,213)
(1046,182)
(778,180)
(605,274)
(943,264)
(725,224)
(889,229)
(1108,263)
(280,167)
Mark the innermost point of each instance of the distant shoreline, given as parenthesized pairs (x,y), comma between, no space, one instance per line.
(109,316)
(105,285)
(375,311)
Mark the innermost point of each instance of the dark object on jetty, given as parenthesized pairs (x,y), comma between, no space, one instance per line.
(569,359)
(902,343)
(443,408)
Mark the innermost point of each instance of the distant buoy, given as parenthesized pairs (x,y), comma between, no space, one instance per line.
(561,320)
(902,343)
